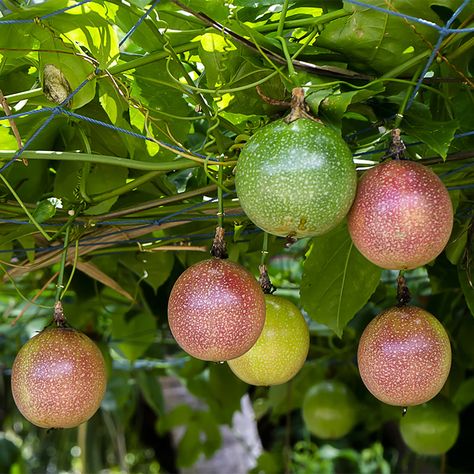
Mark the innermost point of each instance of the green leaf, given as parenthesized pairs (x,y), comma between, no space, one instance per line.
(150,388)
(153,267)
(375,40)
(457,242)
(189,446)
(466,287)
(74,68)
(464,395)
(132,336)
(437,135)
(178,416)
(210,429)
(103,178)
(337,280)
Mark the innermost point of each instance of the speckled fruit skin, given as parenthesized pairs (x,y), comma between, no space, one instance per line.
(402,216)
(404,356)
(329,409)
(281,349)
(296,179)
(216,310)
(58,378)
(431,428)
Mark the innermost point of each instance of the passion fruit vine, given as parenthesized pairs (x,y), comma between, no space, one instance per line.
(216,310)
(402,216)
(58,378)
(404,356)
(296,177)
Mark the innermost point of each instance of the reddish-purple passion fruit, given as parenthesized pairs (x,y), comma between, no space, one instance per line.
(404,356)
(402,216)
(216,310)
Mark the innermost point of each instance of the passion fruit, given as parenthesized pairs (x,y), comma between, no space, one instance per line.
(296,179)
(404,356)
(402,216)
(58,378)
(281,349)
(216,310)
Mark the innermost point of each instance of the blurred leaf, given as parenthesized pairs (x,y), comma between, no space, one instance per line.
(337,280)
(465,279)
(133,335)
(189,446)
(464,395)
(92,271)
(180,415)
(150,388)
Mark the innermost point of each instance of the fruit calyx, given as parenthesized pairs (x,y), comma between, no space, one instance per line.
(397,148)
(264,280)
(299,108)
(403,293)
(58,316)
(219,246)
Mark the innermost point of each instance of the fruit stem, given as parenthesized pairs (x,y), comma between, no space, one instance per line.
(263,258)
(397,147)
(219,246)
(60,286)
(403,293)
(265,281)
(59,318)
(299,109)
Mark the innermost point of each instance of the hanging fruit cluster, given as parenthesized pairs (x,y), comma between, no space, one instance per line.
(295,178)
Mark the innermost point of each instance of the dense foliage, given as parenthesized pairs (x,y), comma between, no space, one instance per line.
(133,171)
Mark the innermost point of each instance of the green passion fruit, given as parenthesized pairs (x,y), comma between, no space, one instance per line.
(281,349)
(296,179)
(58,378)
(404,356)
(402,216)
(431,428)
(216,310)
(329,409)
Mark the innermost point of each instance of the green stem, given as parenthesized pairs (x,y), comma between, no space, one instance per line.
(159,202)
(126,187)
(289,62)
(403,105)
(25,210)
(86,167)
(406,65)
(151,58)
(264,249)
(291,24)
(281,23)
(220,199)
(179,164)
(59,286)
(76,255)
(461,50)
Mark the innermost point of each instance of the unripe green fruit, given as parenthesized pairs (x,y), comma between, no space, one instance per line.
(329,409)
(216,310)
(431,428)
(58,378)
(404,356)
(296,179)
(281,349)
(402,215)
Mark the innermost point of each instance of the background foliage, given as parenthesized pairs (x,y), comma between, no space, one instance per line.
(165,95)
